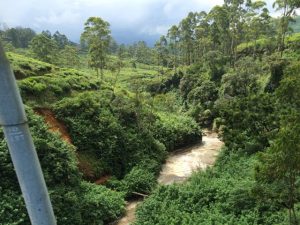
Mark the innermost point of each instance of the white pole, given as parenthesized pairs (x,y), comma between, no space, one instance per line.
(21,148)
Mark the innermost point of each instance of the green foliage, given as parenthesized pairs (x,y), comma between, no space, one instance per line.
(57,85)
(205,94)
(169,84)
(74,202)
(44,48)
(124,137)
(176,131)
(97,36)
(229,193)
(277,66)
(267,45)
(292,41)
(24,67)
(260,46)
(243,80)
(94,128)
(142,53)
(222,195)
(69,57)
(138,180)
(250,122)
(115,134)
(193,78)
(216,62)
(13,211)
(19,37)
(100,205)
(288,92)
(279,166)
(217,67)
(168,102)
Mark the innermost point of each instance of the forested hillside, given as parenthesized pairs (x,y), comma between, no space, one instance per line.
(114,125)
(104,117)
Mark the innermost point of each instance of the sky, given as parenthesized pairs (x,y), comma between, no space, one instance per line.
(130,20)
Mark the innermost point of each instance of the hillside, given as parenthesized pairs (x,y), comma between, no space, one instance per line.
(92,121)
(107,119)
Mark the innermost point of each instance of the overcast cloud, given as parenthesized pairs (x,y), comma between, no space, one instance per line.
(130,20)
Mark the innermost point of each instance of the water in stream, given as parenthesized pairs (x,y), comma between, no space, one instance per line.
(180,166)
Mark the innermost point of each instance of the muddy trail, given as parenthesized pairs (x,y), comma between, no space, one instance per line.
(180,165)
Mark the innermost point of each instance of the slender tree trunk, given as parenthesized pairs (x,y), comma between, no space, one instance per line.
(296,222)
(175,57)
(254,50)
(283,29)
(290,216)
(102,74)
(293,197)
(231,52)
(291,204)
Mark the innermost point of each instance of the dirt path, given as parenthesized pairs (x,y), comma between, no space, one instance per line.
(180,166)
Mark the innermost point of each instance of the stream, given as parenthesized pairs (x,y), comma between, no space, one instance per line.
(180,165)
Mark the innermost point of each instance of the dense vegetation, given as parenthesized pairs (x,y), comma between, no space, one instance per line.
(115,127)
(234,69)
(72,197)
(250,91)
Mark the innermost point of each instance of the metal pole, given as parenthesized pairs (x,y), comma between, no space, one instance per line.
(21,148)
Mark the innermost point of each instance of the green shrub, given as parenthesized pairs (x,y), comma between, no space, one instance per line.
(249,122)
(176,131)
(63,179)
(221,195)
(138,180)
(112,133)
(57,85)
(32,87)
(24,67)
(100,205)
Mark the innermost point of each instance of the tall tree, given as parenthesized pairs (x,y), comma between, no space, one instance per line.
(187,27)
(162,51)
(44,48)
(19,37)
(69,57)
(47,33)
(288,8)
(113,46)
(173,35)
(280,165)
(219,31)
(60,39)
(258,23)
(236,10)
(202,39)
(97,35)
(122,52)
